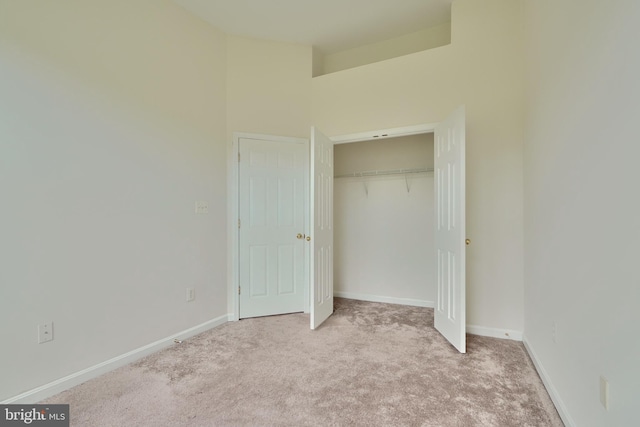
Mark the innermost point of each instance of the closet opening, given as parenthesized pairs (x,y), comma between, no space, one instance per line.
(384,222)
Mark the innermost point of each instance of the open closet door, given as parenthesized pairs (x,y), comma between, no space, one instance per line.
(449,166)
(321,238)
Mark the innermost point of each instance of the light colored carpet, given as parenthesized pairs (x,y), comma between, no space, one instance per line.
(370,364)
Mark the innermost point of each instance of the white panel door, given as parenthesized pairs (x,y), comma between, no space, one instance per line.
(272,198)
(449,167)
(321,265)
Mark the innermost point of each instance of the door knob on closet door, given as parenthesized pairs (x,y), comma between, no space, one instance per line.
(299,236)
(468,242)
(308,238)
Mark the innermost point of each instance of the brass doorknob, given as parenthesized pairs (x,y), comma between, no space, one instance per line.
(308,238)
(299,236)
(468,242)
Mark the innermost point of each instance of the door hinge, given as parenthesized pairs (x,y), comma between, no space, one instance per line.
(238,157)
(238,290)
(238,222)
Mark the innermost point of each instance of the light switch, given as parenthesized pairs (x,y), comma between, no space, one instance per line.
(202,207)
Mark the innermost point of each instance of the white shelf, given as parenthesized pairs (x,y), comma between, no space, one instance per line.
(384,172)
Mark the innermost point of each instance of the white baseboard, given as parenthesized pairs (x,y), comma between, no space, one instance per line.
(390,300)
(62,384)
(553,393)
(507,334)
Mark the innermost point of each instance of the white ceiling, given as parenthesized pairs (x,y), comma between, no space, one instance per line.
(329,25)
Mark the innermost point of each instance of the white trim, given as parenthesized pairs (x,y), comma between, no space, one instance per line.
(232,230)
(507,334)
(39,393)
(389,300)
(546,380)
(385,133)
(233,276)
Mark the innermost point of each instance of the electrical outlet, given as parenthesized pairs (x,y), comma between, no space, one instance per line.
(191,294)
(554,331)
(604,392)
(202,207)
(45,332)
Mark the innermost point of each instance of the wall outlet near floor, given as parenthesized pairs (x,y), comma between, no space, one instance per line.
(45,332)
(191,294)
(554,331)
(604,392)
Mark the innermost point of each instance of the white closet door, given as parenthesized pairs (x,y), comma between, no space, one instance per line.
(449,168)
(321,238)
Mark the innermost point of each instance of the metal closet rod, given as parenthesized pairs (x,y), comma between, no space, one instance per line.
(384,172)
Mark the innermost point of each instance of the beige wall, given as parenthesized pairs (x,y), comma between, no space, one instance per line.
(112,124)
(406,152)
(582,217)
(428,38)
(483,69)
(268,87)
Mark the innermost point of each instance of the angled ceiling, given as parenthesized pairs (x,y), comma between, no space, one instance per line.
(328,25)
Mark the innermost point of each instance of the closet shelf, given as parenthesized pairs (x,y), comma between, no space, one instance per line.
(384,172)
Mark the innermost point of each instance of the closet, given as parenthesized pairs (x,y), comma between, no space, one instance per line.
(384,220)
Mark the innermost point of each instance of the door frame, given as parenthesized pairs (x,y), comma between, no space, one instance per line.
(385,133)
(233,216)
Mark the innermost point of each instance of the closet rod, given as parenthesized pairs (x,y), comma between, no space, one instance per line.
(384,172)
